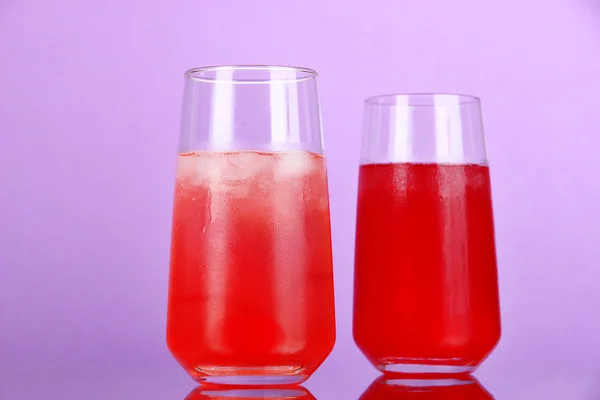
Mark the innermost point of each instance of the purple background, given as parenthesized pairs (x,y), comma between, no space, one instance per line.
(90,98)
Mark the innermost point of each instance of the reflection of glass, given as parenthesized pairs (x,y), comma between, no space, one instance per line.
(251,283)
(463,388)
(219,393)
(426,285)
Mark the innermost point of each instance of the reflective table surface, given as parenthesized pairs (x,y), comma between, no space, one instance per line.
(552,375)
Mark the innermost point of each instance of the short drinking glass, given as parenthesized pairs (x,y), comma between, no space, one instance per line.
(426,285)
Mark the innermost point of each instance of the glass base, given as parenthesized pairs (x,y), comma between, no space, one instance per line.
(425,367)
(250,376)
(427,383)
(246,393)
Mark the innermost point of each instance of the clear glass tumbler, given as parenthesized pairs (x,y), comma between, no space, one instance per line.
(426,285)
(251,283)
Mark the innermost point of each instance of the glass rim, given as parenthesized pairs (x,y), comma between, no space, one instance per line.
(302,73)
(450,99)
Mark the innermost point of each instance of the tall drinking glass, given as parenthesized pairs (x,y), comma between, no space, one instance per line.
(251,281)
(426,285)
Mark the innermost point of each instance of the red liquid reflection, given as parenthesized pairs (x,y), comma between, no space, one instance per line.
(249,393)
(462,388)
